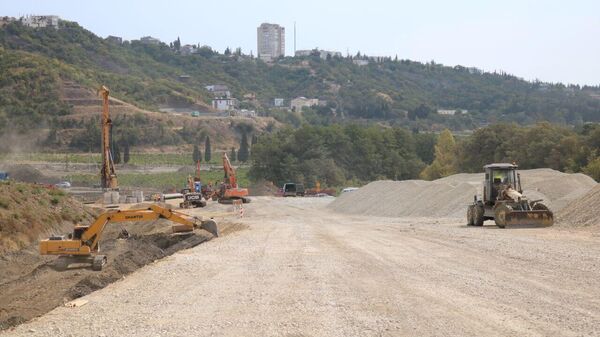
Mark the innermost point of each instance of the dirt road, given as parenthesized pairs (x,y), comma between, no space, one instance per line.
(301,270)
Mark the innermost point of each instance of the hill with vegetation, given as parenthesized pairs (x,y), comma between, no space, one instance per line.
(35,62)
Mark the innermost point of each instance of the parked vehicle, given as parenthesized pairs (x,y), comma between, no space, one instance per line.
(293,190)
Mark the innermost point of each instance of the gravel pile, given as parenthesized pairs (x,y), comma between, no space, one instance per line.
(449,196)
(584,211)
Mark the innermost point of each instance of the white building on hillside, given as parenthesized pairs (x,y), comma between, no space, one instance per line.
(40,21)
(300,102)
(218,90)
(224,103)
(323,54)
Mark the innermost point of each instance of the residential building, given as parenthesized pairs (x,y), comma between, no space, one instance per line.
(278,102)
(187,49)
(150,40)
(298,103)
(224,103)
(360,62)
(219,90)
(40,21)
(114,39)
(323,54)
(271,41)
(452,112)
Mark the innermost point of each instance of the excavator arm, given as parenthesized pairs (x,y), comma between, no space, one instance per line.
(230,176)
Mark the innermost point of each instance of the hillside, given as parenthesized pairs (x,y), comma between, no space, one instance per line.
(38,62)
(29,212)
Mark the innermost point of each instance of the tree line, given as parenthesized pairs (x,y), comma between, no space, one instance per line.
(340,155)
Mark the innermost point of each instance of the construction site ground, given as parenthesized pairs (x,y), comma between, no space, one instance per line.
(293,267)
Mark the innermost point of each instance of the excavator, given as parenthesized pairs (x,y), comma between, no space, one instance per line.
(82,246)
(229,189)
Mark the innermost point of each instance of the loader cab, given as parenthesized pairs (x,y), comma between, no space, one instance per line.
(497,175)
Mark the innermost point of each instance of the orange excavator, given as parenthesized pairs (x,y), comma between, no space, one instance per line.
(83,244)
(229,189)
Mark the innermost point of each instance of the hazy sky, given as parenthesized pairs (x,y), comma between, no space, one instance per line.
(554,41)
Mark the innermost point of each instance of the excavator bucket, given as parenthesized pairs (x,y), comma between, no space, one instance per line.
(211,227)
(505,216)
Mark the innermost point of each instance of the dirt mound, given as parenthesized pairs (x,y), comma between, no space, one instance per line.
(44,288)
(29,212)
(28,173)
(449,196)
(582,212)
(262,188)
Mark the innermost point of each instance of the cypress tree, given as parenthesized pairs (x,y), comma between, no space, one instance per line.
(244,151)
(207,150)
(126,154)
(196,154)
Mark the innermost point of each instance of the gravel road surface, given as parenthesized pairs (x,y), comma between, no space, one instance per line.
(295,268)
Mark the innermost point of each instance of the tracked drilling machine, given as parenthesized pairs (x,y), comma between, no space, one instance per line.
(193,195)
(83,244)
(503,201)
(109,176)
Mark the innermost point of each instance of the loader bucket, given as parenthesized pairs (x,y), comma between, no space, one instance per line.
(513,218)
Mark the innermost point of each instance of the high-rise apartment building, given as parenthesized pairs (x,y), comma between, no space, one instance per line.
(271,41)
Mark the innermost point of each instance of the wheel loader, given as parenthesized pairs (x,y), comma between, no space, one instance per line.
(503,201)
(83,245)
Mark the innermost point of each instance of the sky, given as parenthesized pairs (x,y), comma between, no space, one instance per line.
(552,41)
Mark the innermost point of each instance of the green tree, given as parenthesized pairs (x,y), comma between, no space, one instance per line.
(177,44)
(207,149)
(244,152)
(233,155)
(116,153)
(196,155)
(227,51)
(444,163)
(592,169)
(126,154)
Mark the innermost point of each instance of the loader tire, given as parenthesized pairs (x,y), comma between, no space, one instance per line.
(470,218)
(500,214)
(478,217)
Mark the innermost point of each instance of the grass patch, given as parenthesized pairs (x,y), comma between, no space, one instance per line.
(161,181)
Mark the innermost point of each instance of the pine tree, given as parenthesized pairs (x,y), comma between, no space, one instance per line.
(207,149)
(177,44)
(232,155)
(244,152)
(126,154)
(227,51)
(196,154)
